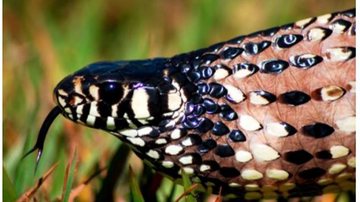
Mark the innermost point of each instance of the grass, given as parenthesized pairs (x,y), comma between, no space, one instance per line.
(9,190)
(135,193)
(46,40)
(69,178)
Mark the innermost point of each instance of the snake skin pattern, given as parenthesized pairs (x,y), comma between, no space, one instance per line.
(260,116)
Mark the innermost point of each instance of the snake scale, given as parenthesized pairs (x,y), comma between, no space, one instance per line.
(264,115)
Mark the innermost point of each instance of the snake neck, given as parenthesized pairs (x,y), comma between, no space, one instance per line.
(271,109)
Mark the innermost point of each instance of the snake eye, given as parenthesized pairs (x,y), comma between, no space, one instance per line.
(110,92)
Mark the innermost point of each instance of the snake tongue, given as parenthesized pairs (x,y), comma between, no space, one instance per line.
(39,145)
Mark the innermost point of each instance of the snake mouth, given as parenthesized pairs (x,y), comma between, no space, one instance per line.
(86,114)
(81,110)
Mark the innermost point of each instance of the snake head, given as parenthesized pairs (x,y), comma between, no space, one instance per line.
(122,98)
(116,96)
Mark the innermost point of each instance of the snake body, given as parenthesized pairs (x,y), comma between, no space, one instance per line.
(264,115)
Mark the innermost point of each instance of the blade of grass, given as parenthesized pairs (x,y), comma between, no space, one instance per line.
(76,191)
(69,177)
(342,197)
(218,197)
(187,194)
(9,189)
(59,175)
(22,177)
(188,189)
(150,183)
(169,189)
(30,193)
(135,193)
(172,193)
(116,169)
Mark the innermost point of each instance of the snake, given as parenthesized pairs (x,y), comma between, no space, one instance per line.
(265,115)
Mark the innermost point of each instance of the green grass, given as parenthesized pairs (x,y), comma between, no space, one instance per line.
(188,188)
(135,193)
(47,40)
(70,171)
(9,190)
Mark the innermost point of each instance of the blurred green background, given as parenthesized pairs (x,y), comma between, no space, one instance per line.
(46,40)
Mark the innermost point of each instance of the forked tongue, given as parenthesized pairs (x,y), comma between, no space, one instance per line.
(39,145)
